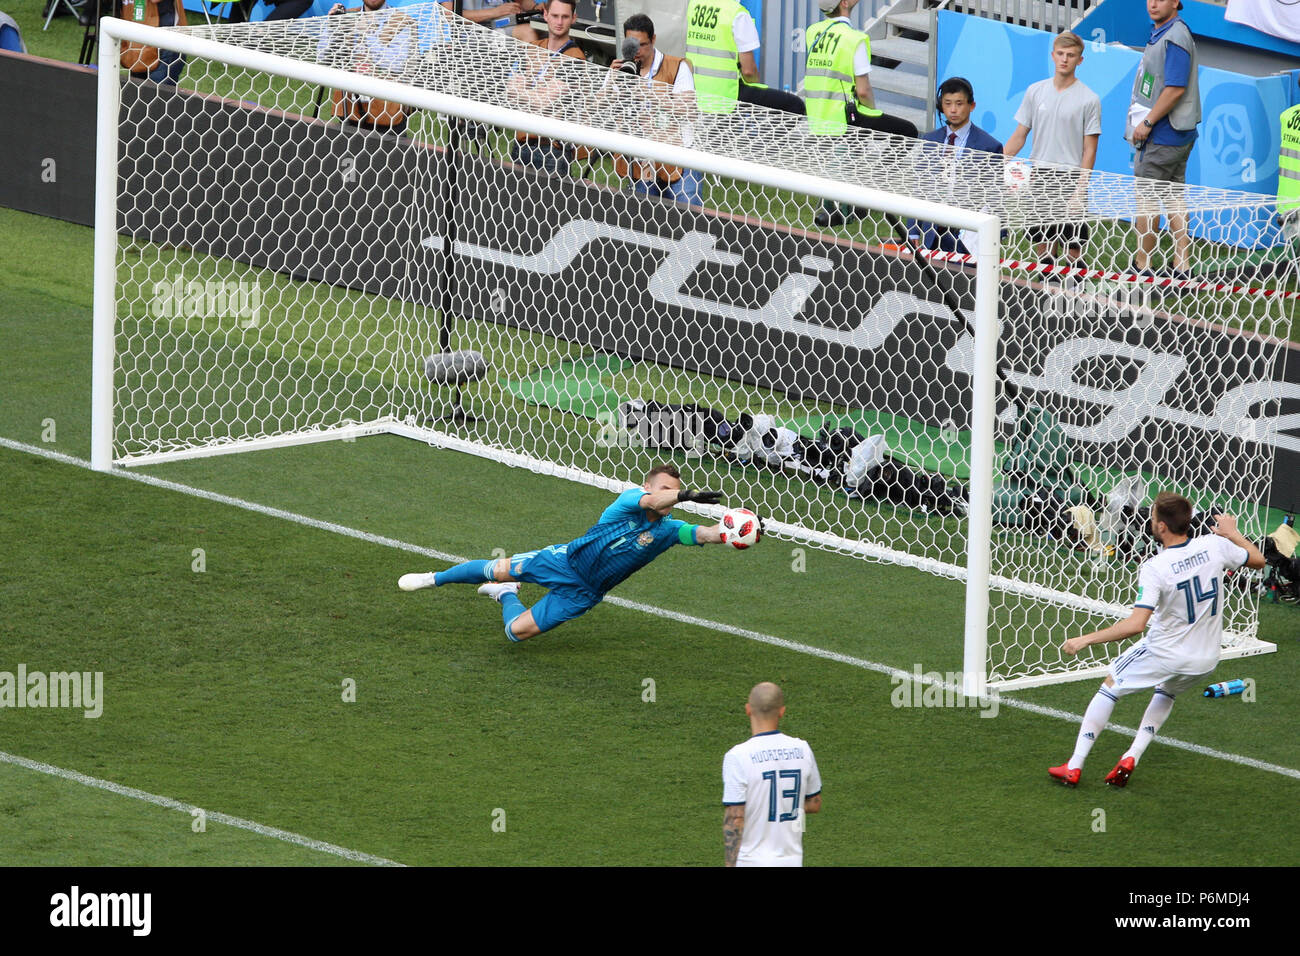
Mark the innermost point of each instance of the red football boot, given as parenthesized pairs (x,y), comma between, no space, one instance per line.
(1119,776)
(1064,774)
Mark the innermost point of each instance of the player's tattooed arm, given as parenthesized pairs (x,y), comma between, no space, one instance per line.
(733,828)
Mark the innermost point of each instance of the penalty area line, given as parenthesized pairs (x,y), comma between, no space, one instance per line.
(213,816)
(676,616)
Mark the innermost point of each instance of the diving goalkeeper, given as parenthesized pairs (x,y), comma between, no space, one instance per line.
(631,533)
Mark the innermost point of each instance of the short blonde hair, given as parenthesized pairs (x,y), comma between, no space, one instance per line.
(766,700)
(1068,38)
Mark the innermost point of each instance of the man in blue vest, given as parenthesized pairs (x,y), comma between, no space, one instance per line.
(1163,113)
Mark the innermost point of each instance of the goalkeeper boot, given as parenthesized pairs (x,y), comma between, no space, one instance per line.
(1064,774)
(1119,776)
(494,591)
(416,582)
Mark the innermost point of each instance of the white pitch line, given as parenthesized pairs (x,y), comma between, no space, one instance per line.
(895,672)
(644,608)
(168,803)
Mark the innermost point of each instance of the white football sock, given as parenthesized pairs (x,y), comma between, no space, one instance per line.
(1156,714)
(1094,719)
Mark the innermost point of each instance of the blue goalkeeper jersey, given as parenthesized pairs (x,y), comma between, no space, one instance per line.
(623,542)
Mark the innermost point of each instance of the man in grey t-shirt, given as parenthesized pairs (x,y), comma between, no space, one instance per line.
(1065,117)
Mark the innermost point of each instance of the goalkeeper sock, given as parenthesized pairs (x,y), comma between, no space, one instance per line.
(511,608)
(1094,719)
(471,572)
(1157,713)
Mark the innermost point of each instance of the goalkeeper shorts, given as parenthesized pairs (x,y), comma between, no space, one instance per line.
(567,595)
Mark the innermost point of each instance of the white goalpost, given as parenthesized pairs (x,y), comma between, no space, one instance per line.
(359,225)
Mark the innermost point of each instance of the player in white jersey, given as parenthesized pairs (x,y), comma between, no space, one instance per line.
(1181,592)
(768,784)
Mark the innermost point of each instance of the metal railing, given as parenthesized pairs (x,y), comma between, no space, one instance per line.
(785,22)
(1051,15)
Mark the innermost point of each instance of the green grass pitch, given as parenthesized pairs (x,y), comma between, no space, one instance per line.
(224,688)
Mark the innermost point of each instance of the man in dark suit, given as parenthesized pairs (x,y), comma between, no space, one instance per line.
(955,98)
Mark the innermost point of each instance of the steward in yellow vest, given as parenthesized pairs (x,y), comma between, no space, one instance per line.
(1288,172)
(833,88)
(721,40)
(713,54)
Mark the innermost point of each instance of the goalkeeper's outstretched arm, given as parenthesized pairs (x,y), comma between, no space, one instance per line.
(662,499)
(711,535)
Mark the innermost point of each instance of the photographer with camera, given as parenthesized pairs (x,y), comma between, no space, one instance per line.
(664,113)
(163,67)
(382,41)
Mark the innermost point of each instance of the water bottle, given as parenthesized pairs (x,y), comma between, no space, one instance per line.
(1225,688)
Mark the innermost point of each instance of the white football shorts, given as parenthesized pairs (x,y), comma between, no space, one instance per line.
(1138,669)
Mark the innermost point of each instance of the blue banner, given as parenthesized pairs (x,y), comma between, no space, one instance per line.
(1239,135)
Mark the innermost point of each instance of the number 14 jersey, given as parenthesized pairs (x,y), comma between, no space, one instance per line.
(1183,586)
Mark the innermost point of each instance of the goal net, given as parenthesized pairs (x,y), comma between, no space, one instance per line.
(399,222)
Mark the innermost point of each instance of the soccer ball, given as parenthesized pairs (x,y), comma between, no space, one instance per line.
(740,528)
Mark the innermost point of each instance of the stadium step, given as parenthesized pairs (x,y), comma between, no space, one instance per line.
(901,36)
(916,21)
(903,51)
(915,85)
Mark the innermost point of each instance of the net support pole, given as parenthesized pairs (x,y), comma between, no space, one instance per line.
(980,515)
(449,164)
(105,276)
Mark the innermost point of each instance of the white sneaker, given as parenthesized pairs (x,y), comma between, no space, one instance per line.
(494,591)
(415,582)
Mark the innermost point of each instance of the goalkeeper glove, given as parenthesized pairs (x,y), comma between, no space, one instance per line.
(700,497)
